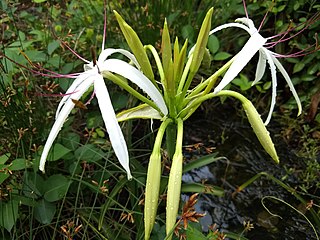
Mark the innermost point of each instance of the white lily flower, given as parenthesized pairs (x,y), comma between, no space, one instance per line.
(93,75)
(256,43)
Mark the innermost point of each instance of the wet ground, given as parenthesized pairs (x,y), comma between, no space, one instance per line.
(233,138)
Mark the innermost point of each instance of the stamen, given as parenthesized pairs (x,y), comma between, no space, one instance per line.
(70,49)
(104,24)
(245,8)
(265,16)
(52,75)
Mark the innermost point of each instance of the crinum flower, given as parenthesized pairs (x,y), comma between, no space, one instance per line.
(257,43)
(93,75)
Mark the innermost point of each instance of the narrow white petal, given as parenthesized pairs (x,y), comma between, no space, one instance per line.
(249,23)
(126,70)
(227,25)
(254,43)
(274,83)
(261,67)
(115,134)
(287,78)
(107,52)
(64,113)
(72,89)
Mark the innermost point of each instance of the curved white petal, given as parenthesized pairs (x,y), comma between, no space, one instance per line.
(249,23)
(64,113)
(227,25)
(107,52)
(261,67)
(71,90)
(274,83)
(126,70)
(287,78)
(254,43)
(115,134)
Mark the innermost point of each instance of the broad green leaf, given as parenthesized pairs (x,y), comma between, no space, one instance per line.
(213,44)
(8,214)
(187,32)
(18,164)
(298,67)
(4,158)
(3,176)
(36,56)
(58,151)
(56,187)
(71,141)
(143,111)
(32,185)
(44,211)
(202,188)
(194,234)
(89,153)
(221,56)
(52,46)
(136,47)
(200,162)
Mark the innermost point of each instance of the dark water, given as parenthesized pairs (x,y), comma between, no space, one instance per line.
(244,158)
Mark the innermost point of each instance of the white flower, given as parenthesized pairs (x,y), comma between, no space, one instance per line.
(256,43)
(93,75)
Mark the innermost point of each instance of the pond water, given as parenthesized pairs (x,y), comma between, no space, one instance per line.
(234,139)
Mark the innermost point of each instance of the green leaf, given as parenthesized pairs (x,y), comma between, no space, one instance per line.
(32,185)
(52,46)
(213,44)
(187,32)
(4,158)
(58,151)
(200,162)
(201,43)
(221,56)
(89,153)
(242,82)
(44,211)
(3,177)
(166,49)
(8,214)
(202,188)
(18,164)
(194,234)
(56,187)
(298,67)
(136,47)
(39,1)
(143,111)
(71,141)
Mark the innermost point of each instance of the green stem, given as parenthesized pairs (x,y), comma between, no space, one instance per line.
(174,184)
(153,181)
(171,134)
(117,80)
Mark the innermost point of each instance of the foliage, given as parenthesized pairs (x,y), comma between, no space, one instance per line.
(84,194)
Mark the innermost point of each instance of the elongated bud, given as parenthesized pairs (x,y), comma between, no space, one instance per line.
(256,123)
(153,182)
(174,184)
(136,47)
(260,129)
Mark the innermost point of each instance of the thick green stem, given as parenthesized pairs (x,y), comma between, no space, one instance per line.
(174,184)
(171,134)
(153,181)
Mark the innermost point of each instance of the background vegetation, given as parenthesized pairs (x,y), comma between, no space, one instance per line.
(84,194)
